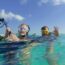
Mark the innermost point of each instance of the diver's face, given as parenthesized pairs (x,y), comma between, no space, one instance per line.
(23,30)
(45,31)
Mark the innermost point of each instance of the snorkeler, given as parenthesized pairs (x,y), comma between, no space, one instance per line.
(25,55)
(45,31)
(50,36)
(23,31)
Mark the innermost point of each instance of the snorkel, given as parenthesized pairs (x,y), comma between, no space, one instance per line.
(2,23)
(23,30)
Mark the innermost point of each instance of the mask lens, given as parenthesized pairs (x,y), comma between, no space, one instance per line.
(24,29)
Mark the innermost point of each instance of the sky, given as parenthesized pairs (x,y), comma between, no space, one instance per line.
(35,13)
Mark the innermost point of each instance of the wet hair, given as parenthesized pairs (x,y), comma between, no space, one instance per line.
(44,27)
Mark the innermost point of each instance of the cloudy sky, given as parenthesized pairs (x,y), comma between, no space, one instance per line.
(35,13)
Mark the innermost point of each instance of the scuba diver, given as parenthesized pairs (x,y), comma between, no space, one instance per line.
(50,37)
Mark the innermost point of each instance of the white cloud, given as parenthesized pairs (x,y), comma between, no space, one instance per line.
(10,15)
(23,1)
(41,2)
(54,2)
(58,2)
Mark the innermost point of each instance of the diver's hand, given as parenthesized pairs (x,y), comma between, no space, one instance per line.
(10,36)
(56,31)
(55,28)
(8,29)
(7,32)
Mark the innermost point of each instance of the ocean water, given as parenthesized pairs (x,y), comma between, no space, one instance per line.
(38,54)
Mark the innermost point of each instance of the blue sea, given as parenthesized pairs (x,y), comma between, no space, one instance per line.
(38,54)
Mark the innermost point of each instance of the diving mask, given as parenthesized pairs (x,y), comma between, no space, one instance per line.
(23,29)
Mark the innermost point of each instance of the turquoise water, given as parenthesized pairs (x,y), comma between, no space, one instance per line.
(38,55)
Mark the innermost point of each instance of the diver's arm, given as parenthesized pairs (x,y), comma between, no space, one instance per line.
(39,40)
(10,36)
(7,32)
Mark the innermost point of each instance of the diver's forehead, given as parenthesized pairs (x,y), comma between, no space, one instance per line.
(46,28)
(25,26)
